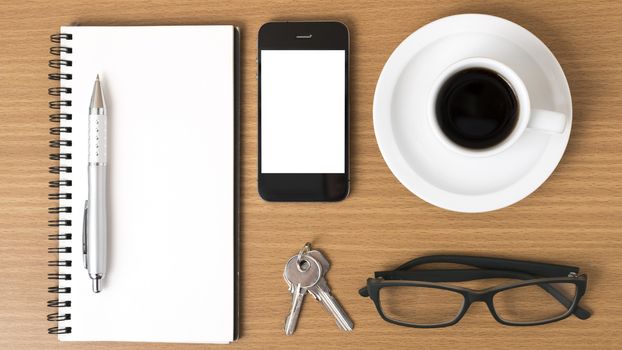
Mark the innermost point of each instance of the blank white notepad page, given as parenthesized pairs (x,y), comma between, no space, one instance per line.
(170,97)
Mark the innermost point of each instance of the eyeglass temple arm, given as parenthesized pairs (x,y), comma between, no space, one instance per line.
(535,268)
(540,269)
(460,275)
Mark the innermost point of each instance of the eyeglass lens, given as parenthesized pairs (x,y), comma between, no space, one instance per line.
(534,303)
(420,305)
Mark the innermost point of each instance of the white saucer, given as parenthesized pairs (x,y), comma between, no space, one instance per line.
(435,173)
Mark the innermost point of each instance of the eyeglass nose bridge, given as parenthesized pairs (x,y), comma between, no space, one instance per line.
(473,296)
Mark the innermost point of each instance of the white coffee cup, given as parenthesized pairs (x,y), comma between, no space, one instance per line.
(537,119)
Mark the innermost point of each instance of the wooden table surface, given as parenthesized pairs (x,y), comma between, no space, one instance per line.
(574,218)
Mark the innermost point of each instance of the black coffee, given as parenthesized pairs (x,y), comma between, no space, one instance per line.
(476,108)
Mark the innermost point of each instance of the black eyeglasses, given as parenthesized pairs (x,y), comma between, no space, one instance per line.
(544,293)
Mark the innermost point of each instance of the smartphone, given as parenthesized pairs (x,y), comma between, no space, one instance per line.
(303,111)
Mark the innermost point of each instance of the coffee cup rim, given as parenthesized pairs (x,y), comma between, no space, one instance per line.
(515,83)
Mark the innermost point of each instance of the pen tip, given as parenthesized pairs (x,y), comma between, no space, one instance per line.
(97,98)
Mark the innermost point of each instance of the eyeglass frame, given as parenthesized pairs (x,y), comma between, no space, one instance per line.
(530,273)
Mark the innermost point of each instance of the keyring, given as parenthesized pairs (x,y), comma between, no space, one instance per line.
(303,251)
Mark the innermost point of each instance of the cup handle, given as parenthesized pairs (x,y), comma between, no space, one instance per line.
(548,121)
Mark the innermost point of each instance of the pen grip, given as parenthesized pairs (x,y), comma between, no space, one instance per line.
(98,150)
(97,225)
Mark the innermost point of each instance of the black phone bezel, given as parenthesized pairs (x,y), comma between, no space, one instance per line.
(304,187)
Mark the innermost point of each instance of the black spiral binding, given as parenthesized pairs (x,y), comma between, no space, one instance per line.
(62,185)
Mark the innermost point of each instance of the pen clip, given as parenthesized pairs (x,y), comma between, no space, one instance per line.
(84,235)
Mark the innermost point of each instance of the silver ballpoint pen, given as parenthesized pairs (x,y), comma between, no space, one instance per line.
(95,232)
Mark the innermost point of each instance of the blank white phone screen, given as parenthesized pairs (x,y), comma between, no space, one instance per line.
(303,121)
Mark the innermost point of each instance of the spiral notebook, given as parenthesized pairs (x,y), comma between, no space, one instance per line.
(172,100)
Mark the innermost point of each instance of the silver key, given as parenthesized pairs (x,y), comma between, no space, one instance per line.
(301,272)
(321,293)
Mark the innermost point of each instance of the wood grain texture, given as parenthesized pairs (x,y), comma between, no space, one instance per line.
(574,218)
